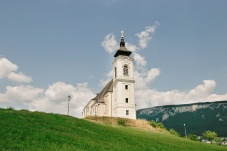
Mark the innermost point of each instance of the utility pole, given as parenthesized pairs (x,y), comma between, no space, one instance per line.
(185,131)
(69,98)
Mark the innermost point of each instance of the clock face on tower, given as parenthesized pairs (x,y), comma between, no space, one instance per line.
(125,60)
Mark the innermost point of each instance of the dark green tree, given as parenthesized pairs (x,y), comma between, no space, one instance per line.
(121,121)
(193,137)
(157,125)
(209,135)
(173,132)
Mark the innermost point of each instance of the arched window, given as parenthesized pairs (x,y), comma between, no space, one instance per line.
(115,72)
(125,70)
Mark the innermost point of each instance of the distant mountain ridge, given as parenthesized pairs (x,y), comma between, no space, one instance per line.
(198,117)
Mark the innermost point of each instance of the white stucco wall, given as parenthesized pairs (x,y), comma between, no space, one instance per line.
(108,104)
(87,110)
(120,93)
(114,103)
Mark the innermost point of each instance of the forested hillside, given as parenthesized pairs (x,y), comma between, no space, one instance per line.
(197,117)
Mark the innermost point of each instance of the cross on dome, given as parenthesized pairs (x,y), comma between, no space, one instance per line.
(122,34)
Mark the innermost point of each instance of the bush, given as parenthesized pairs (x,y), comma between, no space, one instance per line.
(173,132)
(24,110)
(157,125)
(121,121)
(209,135)
(193,137)
(10,108)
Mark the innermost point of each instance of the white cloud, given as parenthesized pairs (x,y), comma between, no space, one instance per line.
(216,97)
(140,61)
(152,74)
(147,97)
(144,77)
(150,97)
(6,67)
(109,43)
(54,99)
(103,82)
(131,47)
(139,80)
(202,90)
(58,91)
(22,93)
(19,77)
(8,70)
(145,36)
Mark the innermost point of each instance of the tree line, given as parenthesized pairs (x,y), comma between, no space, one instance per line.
(207,135)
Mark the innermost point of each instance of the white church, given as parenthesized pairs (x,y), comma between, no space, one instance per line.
(117,98)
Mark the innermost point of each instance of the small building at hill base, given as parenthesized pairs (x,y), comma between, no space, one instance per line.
(117,98)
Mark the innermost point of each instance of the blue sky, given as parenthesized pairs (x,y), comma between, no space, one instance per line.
(52,48)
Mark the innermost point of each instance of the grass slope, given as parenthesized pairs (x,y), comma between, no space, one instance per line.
(24,130)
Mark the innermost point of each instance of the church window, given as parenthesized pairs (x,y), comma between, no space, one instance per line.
(126,100)
(125,70)
(127,112)
(126,87)
(115,71)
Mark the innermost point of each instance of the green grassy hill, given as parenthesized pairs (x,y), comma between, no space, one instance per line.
(24,130)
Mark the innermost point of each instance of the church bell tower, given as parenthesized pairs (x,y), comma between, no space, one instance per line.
(123,102)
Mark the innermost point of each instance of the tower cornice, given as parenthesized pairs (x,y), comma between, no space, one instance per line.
(123,80)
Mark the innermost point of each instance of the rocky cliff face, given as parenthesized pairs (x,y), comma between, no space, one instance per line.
(198,117)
